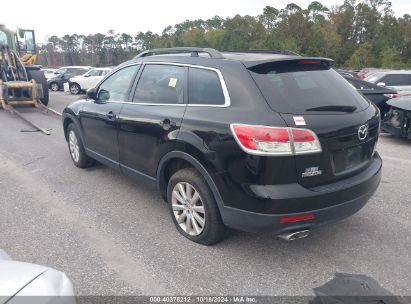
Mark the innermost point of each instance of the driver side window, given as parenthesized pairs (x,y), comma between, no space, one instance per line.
(115,87)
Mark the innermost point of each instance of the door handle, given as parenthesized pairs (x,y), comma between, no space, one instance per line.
(111,116)
(167,124)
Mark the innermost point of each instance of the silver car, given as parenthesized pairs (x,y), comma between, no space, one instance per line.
(29,283)
(398,80)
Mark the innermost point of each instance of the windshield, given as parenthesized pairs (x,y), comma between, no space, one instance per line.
(293,88)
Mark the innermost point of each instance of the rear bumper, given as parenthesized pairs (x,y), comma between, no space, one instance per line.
(363,185)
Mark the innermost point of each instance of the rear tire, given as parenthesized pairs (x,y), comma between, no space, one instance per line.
(189,214)
(40,78)
(54,86)
(76,148)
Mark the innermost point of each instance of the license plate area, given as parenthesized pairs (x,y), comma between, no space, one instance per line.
(348,159)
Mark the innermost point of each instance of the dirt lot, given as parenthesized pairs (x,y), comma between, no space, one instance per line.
(112,236)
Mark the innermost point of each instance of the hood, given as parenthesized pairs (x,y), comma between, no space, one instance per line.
(401,103)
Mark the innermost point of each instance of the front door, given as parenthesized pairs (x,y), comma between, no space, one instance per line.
(148,126)
(99,117)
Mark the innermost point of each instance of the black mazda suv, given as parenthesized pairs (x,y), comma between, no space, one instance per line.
(256,141)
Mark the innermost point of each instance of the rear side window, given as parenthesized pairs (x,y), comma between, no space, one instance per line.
(161,84)
(204,87)
(290,87)
(397,80)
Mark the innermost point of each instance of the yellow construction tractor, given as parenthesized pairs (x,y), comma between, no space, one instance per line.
(21,80)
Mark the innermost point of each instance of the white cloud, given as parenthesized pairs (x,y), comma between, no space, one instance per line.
(87,17)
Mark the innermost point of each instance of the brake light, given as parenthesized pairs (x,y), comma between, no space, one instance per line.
(309,62)
(264,140)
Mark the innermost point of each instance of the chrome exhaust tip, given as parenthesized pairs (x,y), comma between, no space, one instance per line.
(291,236)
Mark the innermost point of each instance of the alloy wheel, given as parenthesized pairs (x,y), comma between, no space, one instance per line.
(74,146)
(74,89)
(54,87)
(188,208)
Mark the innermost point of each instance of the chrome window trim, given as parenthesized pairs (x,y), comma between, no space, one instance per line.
(227,99)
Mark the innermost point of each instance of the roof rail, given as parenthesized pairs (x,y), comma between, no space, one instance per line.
(280,52)
(193,50)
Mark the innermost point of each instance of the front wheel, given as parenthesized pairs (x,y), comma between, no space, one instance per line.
(193,208)
(76,148)
(75,89)
(54,87)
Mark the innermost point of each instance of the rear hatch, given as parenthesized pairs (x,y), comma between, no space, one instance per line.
(309,94)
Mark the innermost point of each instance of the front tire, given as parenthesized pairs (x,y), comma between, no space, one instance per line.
(76,148)
(54,86)
(75,89)
(193,208)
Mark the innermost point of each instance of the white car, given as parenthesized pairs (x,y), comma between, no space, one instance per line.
(80,83)
(49,73)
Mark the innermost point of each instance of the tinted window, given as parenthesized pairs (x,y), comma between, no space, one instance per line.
(161,84)
(79,72)
(115,87)
(94,73)
(204,87)
(296,88)
(397,80)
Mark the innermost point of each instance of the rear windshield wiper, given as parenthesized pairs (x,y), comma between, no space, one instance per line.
(336,108)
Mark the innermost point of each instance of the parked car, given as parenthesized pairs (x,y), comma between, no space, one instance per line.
(81,83)
(63,74)
(397,121)
(369,71)
(49,73)
(347,73)
(19,281)
(256,142)
(378,95)
(396,80)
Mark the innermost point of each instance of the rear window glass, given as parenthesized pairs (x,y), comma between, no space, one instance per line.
(293,88)
(204,87)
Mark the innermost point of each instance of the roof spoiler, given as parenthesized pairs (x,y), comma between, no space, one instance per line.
(298,59)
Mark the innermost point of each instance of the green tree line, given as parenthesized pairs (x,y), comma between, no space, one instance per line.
(355,34)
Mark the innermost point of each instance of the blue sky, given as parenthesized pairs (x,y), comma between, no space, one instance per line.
(85,17)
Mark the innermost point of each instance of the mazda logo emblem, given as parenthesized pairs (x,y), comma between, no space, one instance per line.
(362,132)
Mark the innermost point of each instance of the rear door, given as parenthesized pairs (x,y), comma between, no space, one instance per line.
(309,94)
(150,124)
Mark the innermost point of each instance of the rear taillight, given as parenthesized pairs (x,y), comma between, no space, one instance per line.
(264,140)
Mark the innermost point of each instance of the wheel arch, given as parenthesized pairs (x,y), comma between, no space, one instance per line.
(180,156)
(68,119)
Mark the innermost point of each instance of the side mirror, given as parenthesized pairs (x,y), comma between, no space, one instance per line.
(87,75)
(91,93)
(381,84)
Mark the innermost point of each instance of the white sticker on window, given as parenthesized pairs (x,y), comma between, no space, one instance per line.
(299,121)
(173,82)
